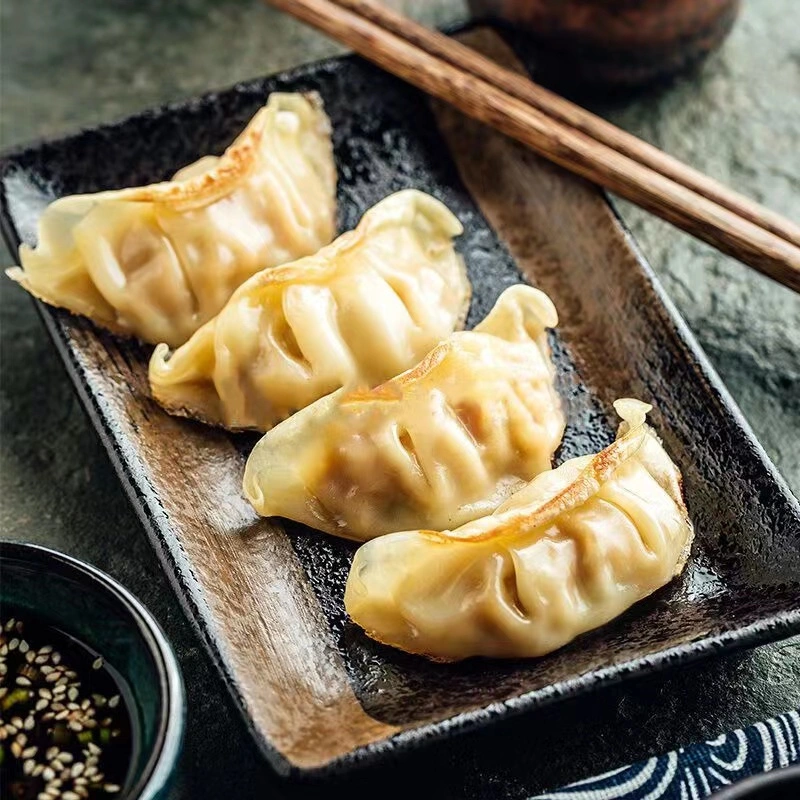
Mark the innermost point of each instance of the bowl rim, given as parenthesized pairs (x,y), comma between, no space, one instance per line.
(172,711)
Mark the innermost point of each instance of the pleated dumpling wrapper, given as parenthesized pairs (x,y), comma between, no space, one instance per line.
(158,261)
(361,310)
(441,444)
(572,550)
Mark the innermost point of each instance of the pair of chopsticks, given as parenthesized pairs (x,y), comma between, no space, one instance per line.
(562,132)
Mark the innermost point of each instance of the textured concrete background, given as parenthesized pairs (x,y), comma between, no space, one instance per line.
(69,64)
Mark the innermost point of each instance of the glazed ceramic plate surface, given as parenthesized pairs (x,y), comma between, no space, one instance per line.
(267,596)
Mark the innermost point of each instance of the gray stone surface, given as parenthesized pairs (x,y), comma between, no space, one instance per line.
(68,64)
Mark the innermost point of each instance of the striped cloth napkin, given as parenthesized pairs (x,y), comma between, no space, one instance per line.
(696,771)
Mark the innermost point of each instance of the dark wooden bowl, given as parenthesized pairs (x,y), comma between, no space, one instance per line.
(619,44)
(778,784)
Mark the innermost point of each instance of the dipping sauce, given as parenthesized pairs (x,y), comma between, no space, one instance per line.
(65,728)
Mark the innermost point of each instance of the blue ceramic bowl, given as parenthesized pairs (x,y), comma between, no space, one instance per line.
(92,607)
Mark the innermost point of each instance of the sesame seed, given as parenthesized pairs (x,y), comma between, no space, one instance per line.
(52,691)
(16,749)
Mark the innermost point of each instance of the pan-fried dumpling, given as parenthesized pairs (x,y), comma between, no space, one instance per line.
(159,261)
(437,446)
(567,553)
(361,310)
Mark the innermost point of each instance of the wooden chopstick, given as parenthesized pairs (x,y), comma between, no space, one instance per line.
(563,110)
(396,44)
